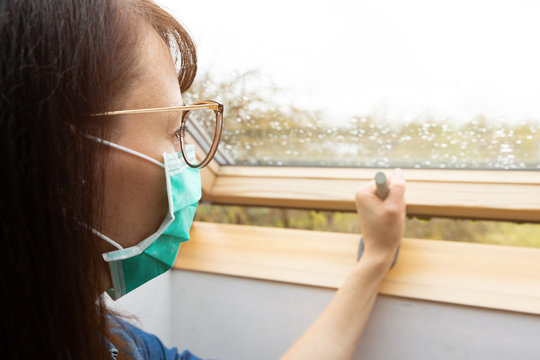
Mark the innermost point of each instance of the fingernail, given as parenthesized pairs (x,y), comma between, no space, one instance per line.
(399,172)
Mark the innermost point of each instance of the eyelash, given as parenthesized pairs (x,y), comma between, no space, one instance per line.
(180,132)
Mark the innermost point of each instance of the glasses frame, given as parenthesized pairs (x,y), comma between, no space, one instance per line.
(199,105)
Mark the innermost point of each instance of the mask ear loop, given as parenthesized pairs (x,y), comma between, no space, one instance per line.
(120,147)
(107,239)
(104,237)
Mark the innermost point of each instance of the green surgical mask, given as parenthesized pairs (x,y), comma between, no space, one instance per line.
(131,267)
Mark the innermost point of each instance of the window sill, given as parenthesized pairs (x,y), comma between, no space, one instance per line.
(489,276)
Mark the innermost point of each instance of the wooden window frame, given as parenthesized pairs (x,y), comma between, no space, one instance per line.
(472,194)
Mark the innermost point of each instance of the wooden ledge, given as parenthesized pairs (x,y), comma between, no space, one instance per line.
(495,195)
(489,276)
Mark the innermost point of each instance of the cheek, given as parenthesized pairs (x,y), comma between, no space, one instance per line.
(135,198)
(147,190)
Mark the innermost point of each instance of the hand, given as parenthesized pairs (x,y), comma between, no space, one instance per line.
(382,221)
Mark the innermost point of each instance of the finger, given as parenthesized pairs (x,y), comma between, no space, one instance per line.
(368,187)
(397,184)
(366,192)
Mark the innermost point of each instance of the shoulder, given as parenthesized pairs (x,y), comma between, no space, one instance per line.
(141,345)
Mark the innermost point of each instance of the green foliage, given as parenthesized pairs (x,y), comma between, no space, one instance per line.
(487,232)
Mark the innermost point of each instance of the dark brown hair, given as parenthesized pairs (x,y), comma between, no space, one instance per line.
(60,61)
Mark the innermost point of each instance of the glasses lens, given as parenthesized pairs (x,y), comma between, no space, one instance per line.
(201,125)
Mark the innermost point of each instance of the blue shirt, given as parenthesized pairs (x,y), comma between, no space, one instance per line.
(141,345)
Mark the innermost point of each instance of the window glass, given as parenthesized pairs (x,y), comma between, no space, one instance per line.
(486,232)
(381,83)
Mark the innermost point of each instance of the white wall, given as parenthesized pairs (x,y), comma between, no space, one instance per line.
(226,317)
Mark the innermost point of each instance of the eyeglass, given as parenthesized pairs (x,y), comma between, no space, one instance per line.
(180,133)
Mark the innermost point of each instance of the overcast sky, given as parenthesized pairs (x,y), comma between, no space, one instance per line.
(455,59)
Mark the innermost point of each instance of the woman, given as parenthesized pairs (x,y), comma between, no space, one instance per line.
(76,186)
